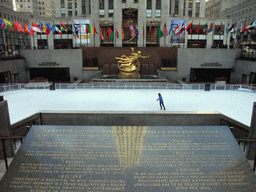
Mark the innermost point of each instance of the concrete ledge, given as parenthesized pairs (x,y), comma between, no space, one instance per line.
(120,118)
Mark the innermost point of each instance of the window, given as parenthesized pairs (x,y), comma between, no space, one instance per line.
(135,1)
(123,1)
(28,0)
(39,8)
(197,9)
(21,6)
(101,5)
(176,7)
(28,6)
(62,14)
(110,4)
(184,8)
(158,8)
(69,5)
(149,4)
(42,3)
(69,13)
(83,8)
(149,13)
(62,4)
(39,3)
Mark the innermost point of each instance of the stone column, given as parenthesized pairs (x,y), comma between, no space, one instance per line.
(94,21)
(194,8)
(250,151)
(87,7)
(142,20)
(79,8)
(5,129)
(153,9)
(118,18)
(181,5)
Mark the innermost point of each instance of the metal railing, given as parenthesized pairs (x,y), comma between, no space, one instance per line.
(126,85)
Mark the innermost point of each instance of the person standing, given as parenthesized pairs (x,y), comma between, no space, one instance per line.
(161,102)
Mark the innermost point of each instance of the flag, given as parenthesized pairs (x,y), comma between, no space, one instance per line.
(182,28)
(36,28)
(198,29)
(69,28)
(221,29)
(143,32)
(77,30)
(31,31)
(46,30)
(205,28)
(232,28)
(26,27)
(165,32)
(227,31)
(242,28)
(137,32)
(170,31)
(122,31)
(101,35)
(159,32)
(234,33)
(88,28)
(177,29)
(132,30)
(41,26)
(211,28)
(8,23)
(117,34)
(95,31)
(20,29)
(50,27)
(92,31)
(1,24)
(189,28)
(110,33)
(63,28)
(14,26)
(57,29)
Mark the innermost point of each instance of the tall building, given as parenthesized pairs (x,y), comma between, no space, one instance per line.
(214,8)
(43,8)
(7,4)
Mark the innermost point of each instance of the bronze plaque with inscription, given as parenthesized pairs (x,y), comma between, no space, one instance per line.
(129,158)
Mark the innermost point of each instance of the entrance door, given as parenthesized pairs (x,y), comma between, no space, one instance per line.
(5,77)
(209,74)
(244,79)
(51,74)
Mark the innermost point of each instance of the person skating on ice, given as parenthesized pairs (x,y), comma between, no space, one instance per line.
(161,102)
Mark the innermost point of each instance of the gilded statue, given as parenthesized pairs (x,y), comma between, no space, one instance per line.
(129,65)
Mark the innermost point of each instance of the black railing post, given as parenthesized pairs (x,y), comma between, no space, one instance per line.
(5,156)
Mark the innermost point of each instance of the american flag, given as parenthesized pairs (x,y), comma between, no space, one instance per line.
(132,30)
(101,35)
(165,32)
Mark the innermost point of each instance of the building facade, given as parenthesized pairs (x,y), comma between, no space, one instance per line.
(145,17)
(42,8)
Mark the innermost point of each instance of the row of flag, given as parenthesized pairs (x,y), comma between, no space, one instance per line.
(47,28)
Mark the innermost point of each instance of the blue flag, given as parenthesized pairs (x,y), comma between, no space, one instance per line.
(137,31)
(1,23)
(77,30)
(50,27)
(170,31)
(41,25)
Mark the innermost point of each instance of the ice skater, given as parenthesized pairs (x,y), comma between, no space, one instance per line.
(161,102)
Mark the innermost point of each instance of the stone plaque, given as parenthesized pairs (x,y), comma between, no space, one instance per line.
(129,158)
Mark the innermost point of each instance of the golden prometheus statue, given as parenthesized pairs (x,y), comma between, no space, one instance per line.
(129,66)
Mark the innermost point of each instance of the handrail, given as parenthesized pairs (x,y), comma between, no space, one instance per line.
(4,149)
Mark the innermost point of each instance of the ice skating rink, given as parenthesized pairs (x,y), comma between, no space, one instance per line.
(234,104)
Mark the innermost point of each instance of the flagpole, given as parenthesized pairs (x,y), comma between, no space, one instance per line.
(87,36)
(53,37)
(150,34)
(115,34)
(47,39)
(143,33)
(198,35)
(80,33)
(93,34)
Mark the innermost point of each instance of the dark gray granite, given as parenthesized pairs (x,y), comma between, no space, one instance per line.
(129,158)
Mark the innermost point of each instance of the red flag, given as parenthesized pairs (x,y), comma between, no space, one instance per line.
(117,34)
(165,32)
(143,32)
(20,29)
(198,29)
(86,29)
(109,32)
(14,26)
(95,32)
(122,31)
(26,27)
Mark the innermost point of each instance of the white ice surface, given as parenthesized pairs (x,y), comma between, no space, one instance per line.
(234,104)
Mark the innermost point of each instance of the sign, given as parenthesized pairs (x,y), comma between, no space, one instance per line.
(81,37)
(49,64)
(211,65)
(180,38)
